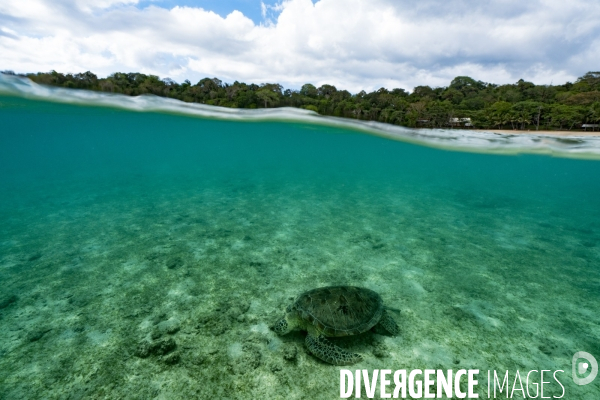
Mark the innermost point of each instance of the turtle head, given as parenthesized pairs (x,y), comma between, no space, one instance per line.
(287,323)
(281,327)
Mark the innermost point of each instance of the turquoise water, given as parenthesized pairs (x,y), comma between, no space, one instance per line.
(119,228)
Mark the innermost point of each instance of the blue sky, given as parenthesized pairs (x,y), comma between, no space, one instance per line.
(250,8)
(352,44)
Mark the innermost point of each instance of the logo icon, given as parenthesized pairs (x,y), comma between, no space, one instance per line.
(581,367)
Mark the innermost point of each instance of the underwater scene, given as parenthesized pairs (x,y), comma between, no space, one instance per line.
(146,252)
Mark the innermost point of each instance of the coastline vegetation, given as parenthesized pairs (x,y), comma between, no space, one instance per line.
(464,103)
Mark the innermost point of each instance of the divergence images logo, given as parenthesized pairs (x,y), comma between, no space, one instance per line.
(581,367)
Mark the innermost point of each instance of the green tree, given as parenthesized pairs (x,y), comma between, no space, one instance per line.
(565,116)
(439,113)
(268,96)
(499,113)
(309,90)
(592,79)
(526,112)
(466,85)
(594,112)
(453,95)
(416,111)
(326,91)
(423,93)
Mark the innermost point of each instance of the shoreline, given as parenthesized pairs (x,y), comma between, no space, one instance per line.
(540,132)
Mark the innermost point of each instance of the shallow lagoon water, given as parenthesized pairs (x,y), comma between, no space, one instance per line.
(120,227)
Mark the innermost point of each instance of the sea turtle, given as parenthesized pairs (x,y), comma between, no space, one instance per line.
(332,312)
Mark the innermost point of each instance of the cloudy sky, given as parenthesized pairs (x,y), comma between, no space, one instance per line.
(353,44)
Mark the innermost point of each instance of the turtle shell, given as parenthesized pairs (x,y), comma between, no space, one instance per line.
(340,310)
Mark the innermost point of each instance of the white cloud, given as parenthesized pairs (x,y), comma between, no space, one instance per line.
(354,44)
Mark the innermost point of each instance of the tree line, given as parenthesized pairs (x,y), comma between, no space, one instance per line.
(465,102)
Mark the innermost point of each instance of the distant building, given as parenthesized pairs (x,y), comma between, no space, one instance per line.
(461,122)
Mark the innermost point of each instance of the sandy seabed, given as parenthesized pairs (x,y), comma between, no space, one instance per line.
(147,289)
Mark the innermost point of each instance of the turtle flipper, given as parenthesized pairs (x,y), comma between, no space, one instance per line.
(388,323)
(328,352)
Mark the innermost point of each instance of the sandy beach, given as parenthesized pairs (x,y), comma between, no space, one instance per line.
(530,132)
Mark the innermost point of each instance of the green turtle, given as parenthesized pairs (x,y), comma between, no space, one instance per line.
(335,311)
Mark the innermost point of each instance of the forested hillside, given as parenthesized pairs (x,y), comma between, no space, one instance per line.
(522,105)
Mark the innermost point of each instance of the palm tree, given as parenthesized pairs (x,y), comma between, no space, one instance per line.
(523,118)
